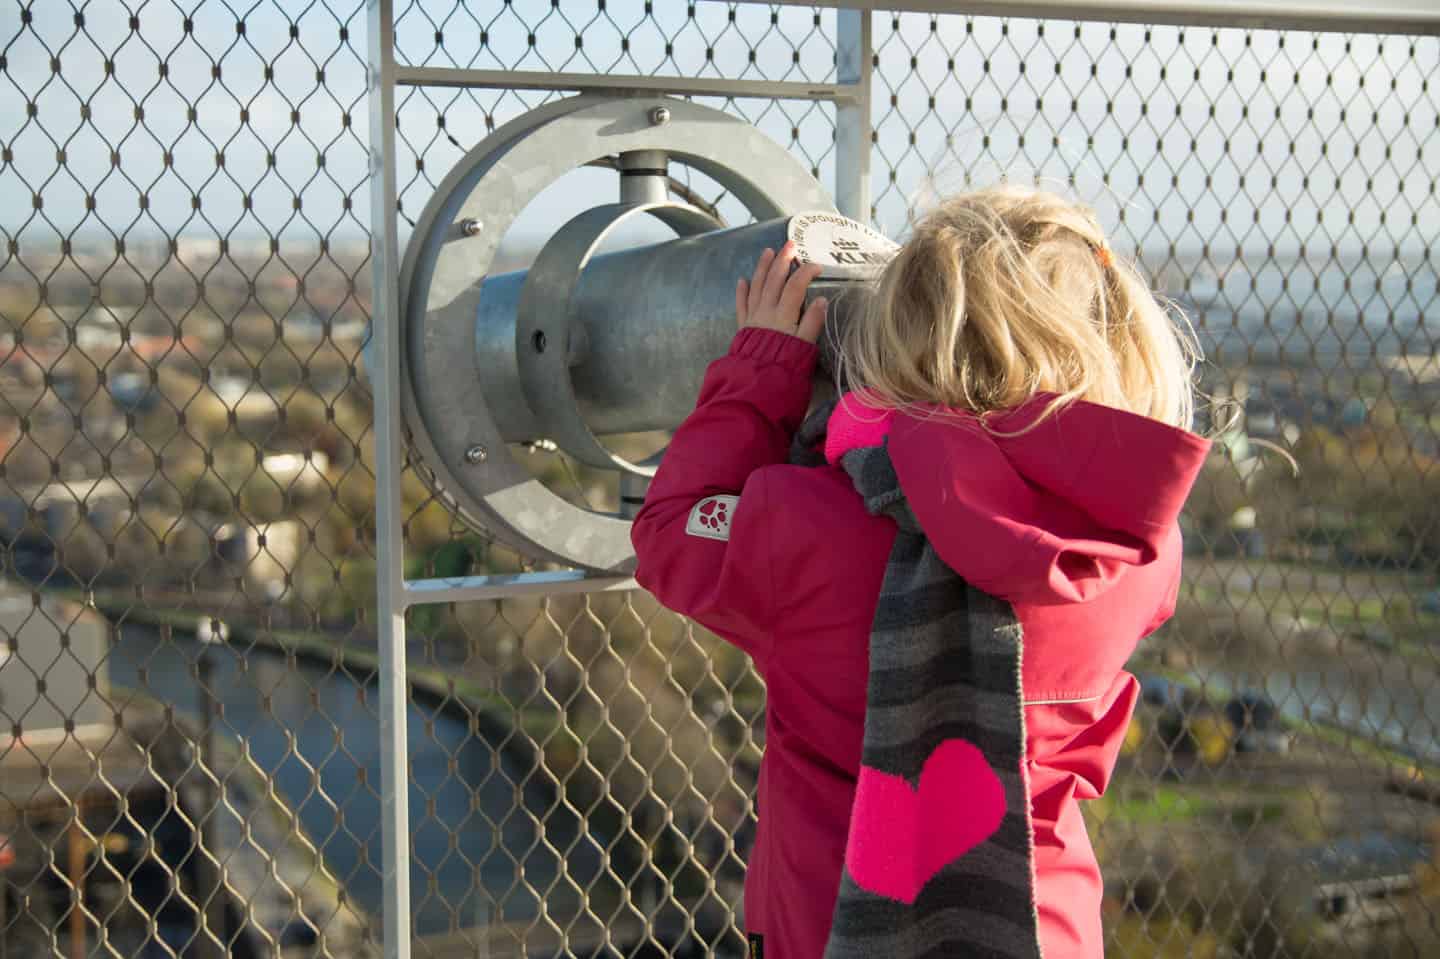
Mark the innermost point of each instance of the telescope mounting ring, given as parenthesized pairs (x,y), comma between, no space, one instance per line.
(544,318)
(443,394)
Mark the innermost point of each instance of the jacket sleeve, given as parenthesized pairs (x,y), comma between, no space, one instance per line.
(719,574)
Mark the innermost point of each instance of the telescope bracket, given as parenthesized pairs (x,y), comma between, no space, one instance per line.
(442,395)
(545,323)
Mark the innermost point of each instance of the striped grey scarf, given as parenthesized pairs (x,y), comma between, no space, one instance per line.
(938,862)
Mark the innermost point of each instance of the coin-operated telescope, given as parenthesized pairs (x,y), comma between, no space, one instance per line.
(584,345)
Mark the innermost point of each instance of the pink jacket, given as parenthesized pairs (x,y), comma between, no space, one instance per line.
(1073,522)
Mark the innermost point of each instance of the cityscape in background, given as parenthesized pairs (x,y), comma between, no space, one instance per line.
(199,443)
(187,485)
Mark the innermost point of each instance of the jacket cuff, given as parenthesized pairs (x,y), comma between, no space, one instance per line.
(773,346)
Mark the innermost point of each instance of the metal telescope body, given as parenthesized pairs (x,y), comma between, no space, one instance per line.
(583,345)
(646,322)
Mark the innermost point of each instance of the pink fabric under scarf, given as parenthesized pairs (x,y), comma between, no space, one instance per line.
(855,424)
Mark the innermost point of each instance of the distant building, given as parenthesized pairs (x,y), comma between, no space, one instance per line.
(272,551)
(297,470)
(43,685)
(1363,882)
(132,391)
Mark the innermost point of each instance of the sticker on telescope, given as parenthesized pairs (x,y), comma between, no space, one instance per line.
(710,519)
(844,248)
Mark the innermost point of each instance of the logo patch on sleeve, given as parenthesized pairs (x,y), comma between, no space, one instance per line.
(710,519)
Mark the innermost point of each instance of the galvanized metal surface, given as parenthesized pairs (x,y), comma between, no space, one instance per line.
(550,308)
(492,184)
(667,306)
(184,288)
(386,379)
(1383,16)
(472,589)
(610,83)
(853,66)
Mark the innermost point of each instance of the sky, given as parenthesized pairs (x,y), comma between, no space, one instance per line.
(248,119)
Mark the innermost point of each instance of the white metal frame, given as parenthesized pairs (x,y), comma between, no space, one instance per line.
(851,95)
(389,539)
(395,594)
(1409,17)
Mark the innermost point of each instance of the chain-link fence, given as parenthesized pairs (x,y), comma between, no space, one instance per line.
(189,759)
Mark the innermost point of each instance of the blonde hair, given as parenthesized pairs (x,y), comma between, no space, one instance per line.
(1004,293)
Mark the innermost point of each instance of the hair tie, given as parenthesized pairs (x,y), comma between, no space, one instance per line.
(1103,254)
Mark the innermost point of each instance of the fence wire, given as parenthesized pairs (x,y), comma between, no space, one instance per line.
(188,756)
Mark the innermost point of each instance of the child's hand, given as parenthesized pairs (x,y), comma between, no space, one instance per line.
(772,299)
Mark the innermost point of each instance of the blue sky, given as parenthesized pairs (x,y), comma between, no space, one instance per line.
(1174,118)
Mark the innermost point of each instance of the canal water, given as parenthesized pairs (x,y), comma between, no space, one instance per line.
(1398,707)
(313,730)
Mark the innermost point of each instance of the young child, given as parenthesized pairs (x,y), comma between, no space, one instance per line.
(941,609)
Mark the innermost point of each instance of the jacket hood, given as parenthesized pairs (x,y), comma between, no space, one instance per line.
(1050,514)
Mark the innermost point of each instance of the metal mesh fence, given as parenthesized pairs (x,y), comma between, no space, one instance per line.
(188,757)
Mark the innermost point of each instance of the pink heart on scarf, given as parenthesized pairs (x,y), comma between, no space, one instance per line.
(901,837)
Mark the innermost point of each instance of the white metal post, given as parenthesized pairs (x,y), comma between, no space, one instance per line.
(853,61)
(389,544)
